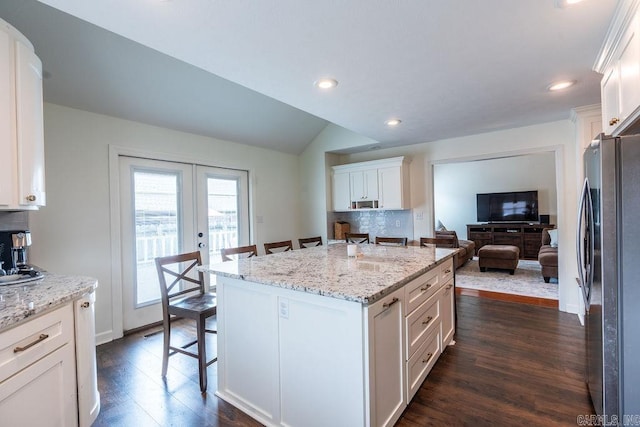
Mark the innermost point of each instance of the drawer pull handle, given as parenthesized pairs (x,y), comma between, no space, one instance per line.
(41,338)
(429,356)
(425,287)
(429,319)
(447,271)
(388,305)
(450,286)
(85,304)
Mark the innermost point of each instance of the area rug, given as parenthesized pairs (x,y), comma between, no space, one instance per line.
(527,280)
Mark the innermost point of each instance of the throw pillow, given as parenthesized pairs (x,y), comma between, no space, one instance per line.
(553,234)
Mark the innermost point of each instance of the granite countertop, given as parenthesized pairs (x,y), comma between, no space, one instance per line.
(326,270)
(21,301)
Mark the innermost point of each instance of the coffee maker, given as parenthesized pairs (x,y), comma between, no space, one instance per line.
(13,251)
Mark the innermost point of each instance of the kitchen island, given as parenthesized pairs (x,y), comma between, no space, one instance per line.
(47,352)
(314,338)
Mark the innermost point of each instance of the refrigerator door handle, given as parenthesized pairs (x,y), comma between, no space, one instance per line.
(579,233)
(585,200)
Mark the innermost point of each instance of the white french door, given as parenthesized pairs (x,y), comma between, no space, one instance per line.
(169,208)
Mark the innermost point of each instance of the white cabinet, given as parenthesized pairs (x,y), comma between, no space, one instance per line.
(394,192)
(386,359)
(292,358)
(37,367)
(21,123)
(619,62)
(447,297)
(50,362)
(377,184)
(86,363)
(341,194)
(364,185)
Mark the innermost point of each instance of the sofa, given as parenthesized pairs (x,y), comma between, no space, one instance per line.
(466,248)
(548,254)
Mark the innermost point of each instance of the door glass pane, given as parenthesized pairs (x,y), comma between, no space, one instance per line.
(222,196)
(157,219)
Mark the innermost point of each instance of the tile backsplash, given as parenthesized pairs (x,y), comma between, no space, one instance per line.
(375,222)
(14,220)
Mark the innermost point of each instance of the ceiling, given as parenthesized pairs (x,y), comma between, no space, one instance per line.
(244,70)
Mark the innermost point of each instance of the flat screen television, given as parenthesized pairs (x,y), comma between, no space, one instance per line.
(515,206)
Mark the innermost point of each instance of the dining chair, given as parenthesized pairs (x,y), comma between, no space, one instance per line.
(182,294)
(310,242)
(275,247)
(241,251)
(441,242)
(356,237)
(391,241)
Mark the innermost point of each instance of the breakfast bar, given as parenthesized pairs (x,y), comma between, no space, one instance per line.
(313,337)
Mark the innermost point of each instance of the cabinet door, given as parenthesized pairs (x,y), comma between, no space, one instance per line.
(29,122)
(390,188)
(7,119)
(356,180)
(610,100)
(44,394)
(341,191)
(371,184)
(629,65)
(447,313)
(386,359)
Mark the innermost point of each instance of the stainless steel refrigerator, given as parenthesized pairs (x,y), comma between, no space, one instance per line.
(608,246)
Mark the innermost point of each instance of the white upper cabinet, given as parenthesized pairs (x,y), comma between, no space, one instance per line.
(377,184)
(341,193)
(364,185)
(619,62)
(21,123)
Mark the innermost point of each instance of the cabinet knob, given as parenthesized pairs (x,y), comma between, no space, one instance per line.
(31,198)
(85,304)
(613,121)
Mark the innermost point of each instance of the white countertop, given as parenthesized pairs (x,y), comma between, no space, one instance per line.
(21,301)
(326,270)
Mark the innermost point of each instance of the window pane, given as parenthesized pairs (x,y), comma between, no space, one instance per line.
(222,195)
(156,197)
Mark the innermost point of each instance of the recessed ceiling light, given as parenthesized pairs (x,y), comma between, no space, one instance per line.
(393,122)
(563,3)
(326,83)
(561,85)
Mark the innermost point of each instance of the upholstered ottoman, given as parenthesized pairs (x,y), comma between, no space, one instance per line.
(498,256)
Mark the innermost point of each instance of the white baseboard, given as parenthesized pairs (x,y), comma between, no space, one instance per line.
(104,337)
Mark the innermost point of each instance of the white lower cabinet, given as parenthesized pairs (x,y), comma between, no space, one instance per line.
(38,372)
(48,369)
(386,359)
(447,297)
(291,358)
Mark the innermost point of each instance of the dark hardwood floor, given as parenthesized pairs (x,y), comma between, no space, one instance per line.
(512,364)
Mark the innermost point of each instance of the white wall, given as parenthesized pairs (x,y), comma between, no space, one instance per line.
(315,181)
(456,186)
(558,137)
(71,235)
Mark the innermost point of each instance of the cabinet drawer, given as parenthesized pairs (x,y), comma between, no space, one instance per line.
(34,339)
(421,323)
(446,271)
(421,363)
(420,289)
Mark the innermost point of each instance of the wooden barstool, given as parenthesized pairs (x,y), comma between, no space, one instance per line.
(241,251)
(310,242)
(184,296)
(391,241)
(356,237)
(275,247)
